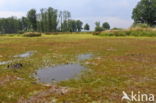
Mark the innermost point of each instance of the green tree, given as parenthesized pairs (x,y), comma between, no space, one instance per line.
(145,12)
(106,26)
(66,15)
(52,19)
(87,27)
(43,20)
(24,23)
(98,27)
(9,25)
(65,26)
(97,24)
(72,27)
(79,25)
(31,15)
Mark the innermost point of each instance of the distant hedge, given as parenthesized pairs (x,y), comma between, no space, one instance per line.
(32,34)
(129,32)
(57,33)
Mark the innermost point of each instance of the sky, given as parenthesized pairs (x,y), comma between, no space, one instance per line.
(117,12)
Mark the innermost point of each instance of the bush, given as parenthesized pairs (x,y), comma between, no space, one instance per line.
(32,34)
(96,33)
(114,33)
(116,28)
(98,29)
(130,32)
(140,25)
(20,32)
(142,32)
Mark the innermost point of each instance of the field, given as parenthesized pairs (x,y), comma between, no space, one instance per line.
(118,64)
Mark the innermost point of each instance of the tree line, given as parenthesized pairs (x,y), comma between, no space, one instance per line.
(52,20)
(48,20)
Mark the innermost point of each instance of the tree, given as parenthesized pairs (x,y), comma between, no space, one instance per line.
(79,25)
(98,28)
(24,23)
(97,24)
(31,15)
(66,15)
(72,27)
(145,12)
(87,27)
(106,26)
(52,19)
(9,25)
(43,21)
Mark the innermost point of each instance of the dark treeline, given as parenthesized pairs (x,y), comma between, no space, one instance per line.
(48,20)
(9,25)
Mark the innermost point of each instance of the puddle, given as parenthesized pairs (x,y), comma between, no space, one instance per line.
(4,62)
(85,56)
(25,55)
(8,62)
(59,73)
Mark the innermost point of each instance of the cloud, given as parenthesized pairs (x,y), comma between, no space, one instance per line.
(11,13)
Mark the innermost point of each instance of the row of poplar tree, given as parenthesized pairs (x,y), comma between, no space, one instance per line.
(48,20)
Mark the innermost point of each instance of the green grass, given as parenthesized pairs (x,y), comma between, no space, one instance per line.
(119,64)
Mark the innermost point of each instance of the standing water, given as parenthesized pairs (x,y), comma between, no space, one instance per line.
(84,56)
(4,62)
(25,55)
(59,73)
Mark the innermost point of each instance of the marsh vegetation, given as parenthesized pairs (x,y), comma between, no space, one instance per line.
(117,64)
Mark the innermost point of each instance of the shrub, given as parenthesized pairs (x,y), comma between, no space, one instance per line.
(140,25)
(20,32)
(98,29)
(96,33)
(32,34)
(142,32)
(114,33)
(130,32)
(116,28)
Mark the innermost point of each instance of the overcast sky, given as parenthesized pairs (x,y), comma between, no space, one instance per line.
(116,12)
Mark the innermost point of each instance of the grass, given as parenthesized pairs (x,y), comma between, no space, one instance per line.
(119,64)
